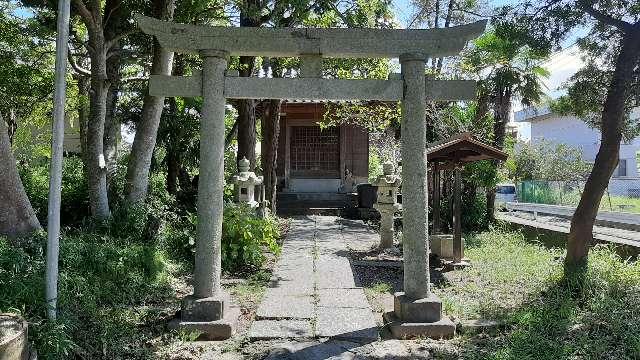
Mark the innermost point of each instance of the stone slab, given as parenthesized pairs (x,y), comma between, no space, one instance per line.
(346,323)
(279,305)
(280,329)
(314,350)
(343,298)
(335,280)
(210,330)
(333,272)
(442,329)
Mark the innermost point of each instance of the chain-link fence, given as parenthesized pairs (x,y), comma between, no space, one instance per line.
(622,195)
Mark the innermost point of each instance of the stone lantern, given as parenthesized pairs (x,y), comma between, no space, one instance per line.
(387,204)
(245,184)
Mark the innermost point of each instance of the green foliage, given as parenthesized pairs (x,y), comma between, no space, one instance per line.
(375,166)
(544,160)
(26,63)
(546,316)
(474,205)
(507,65)
(245,237)
(99,275)
(75,204)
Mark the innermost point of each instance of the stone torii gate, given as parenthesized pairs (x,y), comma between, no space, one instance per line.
(417,310)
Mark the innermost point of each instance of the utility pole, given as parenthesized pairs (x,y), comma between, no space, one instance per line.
(55,174)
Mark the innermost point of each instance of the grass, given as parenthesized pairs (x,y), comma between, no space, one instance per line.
(546,315)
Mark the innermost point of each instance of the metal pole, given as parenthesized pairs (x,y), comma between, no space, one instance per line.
(55,174)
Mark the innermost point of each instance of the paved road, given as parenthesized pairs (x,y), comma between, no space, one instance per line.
(313,294)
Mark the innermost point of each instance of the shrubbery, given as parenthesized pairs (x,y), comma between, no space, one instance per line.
(110,272)
(98,277)
(75,204)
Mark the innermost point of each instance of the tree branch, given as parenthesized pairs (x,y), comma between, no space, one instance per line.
(605,18)
(84,13)
(80,70)
(112,42)
(133,78)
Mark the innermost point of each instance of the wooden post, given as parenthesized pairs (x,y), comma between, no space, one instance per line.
(436,199)
(457,213)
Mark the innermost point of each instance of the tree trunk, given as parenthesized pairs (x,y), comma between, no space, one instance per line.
(173,170)
(17,217)
(147,130)
(247,118)
(98,198)
(447,23)
(84,83)
(249,17)
(502,110)
(111,123)
(269,148)
(581,233)
(12,125)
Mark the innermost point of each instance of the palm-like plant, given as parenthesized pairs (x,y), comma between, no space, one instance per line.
(507,69)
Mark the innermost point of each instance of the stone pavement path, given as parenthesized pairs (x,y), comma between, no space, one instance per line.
(313,293)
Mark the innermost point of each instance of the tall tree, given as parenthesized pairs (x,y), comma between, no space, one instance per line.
(104,34)
(508,70)
(147,129)
(253,13)
(26,80)
(16,214)
(612,40)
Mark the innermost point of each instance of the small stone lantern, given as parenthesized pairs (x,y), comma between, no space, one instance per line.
(245,184)
(387,204)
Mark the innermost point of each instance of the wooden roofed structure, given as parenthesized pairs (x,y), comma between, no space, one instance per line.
(454,153)
(462,149)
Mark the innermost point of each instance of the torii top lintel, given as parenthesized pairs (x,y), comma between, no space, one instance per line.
(293,42)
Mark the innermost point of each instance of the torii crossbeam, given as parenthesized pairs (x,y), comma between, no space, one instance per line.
(417,311)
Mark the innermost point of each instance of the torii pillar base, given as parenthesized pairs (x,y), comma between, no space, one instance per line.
(213,317)
(418,318)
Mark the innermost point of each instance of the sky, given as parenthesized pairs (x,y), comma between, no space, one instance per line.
(561,65)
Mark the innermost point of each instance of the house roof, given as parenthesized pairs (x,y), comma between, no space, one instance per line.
(532,113)
(462,148)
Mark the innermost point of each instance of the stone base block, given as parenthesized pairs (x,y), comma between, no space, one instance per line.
(441,329)
(442,245)
(424,310)
(204,309)
(210,330)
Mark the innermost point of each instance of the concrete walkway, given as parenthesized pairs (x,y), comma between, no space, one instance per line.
(313,294)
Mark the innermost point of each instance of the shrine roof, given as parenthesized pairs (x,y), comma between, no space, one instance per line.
(462,148)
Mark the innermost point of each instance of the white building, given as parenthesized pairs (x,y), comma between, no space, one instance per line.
(571,130)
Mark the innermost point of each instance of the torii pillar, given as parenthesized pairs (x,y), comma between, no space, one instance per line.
(209,309)
(417,311)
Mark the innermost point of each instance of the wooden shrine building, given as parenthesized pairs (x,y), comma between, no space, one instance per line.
(312,159)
